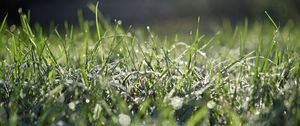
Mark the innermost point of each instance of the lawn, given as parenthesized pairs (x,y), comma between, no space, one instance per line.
(102,74)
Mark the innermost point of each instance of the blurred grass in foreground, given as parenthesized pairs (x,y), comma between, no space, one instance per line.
(240,75)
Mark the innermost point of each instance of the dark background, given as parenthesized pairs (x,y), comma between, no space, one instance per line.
(147,11)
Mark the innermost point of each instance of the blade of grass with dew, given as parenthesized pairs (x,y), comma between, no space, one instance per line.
(236,61)
(27,29)
(64,47)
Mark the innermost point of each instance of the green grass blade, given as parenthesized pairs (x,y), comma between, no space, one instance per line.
(197,117)
(97,21)
(3,23)
(270,18)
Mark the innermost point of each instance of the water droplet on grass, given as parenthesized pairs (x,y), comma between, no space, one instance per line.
(20,10)
(129,34)
(119,22)
(211,104)
(12,28)
(124,119)
(177,102)
(72,106)
(87,100)
(60,123)
(97,111)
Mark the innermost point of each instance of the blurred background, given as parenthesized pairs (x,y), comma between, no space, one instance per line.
(157,13)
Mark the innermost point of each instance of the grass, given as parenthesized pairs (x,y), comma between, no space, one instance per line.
(243,75)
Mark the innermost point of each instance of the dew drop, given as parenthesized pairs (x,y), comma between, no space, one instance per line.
(119,22)
(72,106)
(211,104)
(20,10)
(177,102)
(124,119)
(87,100)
